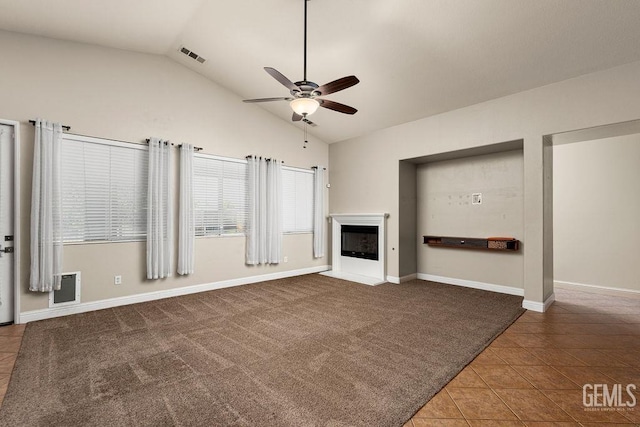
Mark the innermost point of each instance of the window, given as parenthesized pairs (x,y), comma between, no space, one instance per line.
(297,200)
(219,195)
(104,190)
(104,193)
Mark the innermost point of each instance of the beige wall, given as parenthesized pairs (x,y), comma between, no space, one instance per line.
(408,223)
(365,170)
(445,209)
(128,96)
(596,212)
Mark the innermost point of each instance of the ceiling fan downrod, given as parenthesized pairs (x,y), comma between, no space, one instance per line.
(305,41)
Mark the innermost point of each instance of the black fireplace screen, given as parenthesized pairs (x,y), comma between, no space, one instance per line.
(360,241)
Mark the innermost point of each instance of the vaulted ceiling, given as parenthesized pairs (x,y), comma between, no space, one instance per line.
(414,58)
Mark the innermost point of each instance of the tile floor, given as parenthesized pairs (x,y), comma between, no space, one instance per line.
(10,339)
(531,375)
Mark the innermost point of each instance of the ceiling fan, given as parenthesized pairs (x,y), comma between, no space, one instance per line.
(304,99)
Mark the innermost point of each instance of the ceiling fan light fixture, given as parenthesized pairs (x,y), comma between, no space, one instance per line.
(303,93)
(304,106)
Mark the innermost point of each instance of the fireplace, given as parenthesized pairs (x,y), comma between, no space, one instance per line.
(359,241)
(358,248)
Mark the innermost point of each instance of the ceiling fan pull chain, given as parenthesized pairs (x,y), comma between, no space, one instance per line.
(305,132)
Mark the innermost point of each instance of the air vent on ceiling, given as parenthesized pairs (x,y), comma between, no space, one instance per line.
(192,55)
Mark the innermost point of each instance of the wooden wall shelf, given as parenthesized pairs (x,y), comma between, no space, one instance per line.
(508,244)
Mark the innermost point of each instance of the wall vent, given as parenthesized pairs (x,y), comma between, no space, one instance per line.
(69,293)
(192,55)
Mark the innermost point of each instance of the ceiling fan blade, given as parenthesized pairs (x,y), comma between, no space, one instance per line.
(267,99)
(296,117)
(281,78)
(337,85)
(336,106)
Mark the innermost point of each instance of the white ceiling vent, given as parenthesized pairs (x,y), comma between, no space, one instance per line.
(192,55)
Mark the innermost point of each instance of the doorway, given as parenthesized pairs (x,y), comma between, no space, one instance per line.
(9,218)
(595,208)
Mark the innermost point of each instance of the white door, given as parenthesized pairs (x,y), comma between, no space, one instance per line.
(6,224)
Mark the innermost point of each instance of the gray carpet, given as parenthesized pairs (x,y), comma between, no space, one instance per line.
(304,351)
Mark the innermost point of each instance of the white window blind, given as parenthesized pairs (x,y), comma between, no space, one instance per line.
(297,198)
(104,190)
(219,195)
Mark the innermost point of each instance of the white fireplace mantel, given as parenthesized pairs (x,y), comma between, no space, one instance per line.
(366,271)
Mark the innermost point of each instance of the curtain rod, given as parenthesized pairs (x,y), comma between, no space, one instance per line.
(178,146)
(68,128)
(259,157)
(65,127)
(165,142)
(107,139)
(194,148)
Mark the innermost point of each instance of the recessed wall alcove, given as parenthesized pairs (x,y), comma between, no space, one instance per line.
(413,224)
(436,198)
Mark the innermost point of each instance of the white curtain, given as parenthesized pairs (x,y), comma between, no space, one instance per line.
(274,212)
(253,210)
(318,213)
(46,206)
(264,219)
(186,232)
(159,210)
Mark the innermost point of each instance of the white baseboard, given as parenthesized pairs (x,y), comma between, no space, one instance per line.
(48,313)
(540,307)
(472,284)
(607,288)
(398,280)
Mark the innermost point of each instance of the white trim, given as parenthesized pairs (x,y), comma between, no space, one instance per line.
(608,288)
(540,307)
(16,217)
(32,316)
(397,280)
(385,215)
(472,284)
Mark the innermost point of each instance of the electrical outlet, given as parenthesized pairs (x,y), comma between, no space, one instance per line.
(286,259)
(117,280)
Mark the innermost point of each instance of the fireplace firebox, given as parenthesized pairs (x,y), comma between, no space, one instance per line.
(359,241)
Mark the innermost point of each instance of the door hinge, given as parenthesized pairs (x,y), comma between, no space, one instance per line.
(7,250)
(8,238)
